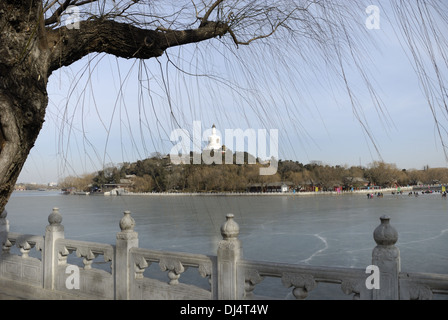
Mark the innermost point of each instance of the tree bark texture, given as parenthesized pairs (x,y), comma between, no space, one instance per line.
(30,51)
(23,80)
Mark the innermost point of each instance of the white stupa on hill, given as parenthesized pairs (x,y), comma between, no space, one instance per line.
(214,141)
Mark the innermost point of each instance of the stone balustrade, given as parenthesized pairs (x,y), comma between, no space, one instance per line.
(303,279)
(25,242)
(52,267)
(174,264)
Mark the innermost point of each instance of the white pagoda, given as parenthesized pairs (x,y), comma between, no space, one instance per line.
(214,141)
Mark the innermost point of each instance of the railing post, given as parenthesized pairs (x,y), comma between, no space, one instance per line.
(53,232)
(386,256)
(230,278)
(126,239)
(4,227)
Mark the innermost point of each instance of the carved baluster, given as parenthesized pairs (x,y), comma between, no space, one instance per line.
(38,246)
(174,277)
(25,243)
(175,268)
(302,284)
(140,266)
(4,227)
(205,271)
(25,248)
(7,246)
(87,263)
(252,279)
(420,292)
(88,256)
(108,257)
(62,256)
(351,287)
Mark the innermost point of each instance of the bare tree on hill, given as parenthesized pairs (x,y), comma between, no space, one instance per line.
(39,37)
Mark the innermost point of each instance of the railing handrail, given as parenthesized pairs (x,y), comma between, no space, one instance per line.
(96,247)
(435,282)
(320,273)
(23,241)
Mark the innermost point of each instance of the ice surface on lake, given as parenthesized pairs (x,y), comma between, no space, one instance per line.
(316,230)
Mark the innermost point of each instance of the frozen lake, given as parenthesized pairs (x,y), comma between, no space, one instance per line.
(328,230)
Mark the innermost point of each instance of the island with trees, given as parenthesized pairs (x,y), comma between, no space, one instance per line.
(157,174)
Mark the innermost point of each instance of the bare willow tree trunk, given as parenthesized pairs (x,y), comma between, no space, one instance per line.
(23,81)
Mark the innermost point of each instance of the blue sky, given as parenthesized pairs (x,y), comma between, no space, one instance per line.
(99,121)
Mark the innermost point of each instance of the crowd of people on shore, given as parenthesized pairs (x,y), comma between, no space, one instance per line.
(411,193)
(416,193)
(377,194)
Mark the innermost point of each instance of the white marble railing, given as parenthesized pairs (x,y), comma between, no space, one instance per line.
(302,279)
(174,264)
(50,266)
(83,249)
(25,242)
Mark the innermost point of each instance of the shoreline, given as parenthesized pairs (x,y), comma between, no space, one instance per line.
(307,193)
(416,188)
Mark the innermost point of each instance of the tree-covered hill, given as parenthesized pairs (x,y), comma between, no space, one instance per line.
(158,174)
